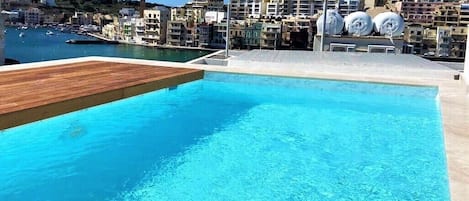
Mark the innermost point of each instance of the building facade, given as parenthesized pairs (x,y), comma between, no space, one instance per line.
(33,16)
(156,21)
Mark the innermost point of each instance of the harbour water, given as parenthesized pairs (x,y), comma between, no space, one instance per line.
(36,46)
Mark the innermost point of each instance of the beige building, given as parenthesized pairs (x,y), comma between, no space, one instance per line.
(297,32)
(33,16)
(446,15)
(156,25)
(417,12)
(271,34)
(244,9)
(177,31)
(277,8)
(210,5)
(413,36)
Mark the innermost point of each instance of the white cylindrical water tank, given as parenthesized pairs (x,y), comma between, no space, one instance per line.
(389,24)
(334,23)
(358,23)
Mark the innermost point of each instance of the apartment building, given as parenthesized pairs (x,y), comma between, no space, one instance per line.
(193,12)
(219,35)
(244,9)
(33,16)
(252,35)
(237,34)
(413,36)
(458,41)
(417,12)
(177,31)
(139,29)
(128,29)
(210,5)
(317,5)
(277,8)
(81,18)
(178,13)
(443,41)
(464,15)
(345,7)
(302,7)
(271,34)
(297,32)
(446,15)
(156,25)
(205,31)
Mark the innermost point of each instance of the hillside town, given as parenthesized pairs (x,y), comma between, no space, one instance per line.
(432,28)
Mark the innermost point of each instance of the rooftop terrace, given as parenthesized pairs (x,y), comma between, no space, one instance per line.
(397,69)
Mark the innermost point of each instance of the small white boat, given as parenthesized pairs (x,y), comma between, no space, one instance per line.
(49,32)
(21,34)
(24,27)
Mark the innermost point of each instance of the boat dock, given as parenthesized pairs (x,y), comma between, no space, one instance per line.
(30,95)
(73,41)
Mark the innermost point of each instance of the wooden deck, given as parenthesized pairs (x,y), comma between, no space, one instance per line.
(34,94)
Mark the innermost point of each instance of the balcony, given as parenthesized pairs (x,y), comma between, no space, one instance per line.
(174,33)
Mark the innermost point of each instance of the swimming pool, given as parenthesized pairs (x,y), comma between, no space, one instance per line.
(236,137)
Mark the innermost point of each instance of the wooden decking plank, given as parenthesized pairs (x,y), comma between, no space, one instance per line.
(76,86)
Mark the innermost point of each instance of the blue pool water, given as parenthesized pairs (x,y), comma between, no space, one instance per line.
(236,137)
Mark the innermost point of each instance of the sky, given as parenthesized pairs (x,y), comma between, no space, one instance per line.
(171,2)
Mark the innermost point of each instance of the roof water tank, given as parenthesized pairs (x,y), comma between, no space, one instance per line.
(358,23)
(334,23)
(389,24)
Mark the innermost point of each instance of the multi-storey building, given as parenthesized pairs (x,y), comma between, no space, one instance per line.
(156,25)
(413,36)
(128,29)
(237,34)
(417,12)
(219,35)
(446,15)
(252,35)
(330,4)
(178,13)
(296,32)
(214,16)
(464,15)
(205,31)
(177,32)
(192,12)
(33,16)
(81,18)
(210,5)
(139,30)
(243,9)
(271,34)
(345,7)
(277,8)
(302,7)
(443,41)
(458,41)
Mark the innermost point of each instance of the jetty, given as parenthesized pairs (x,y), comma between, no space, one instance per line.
(73,41)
